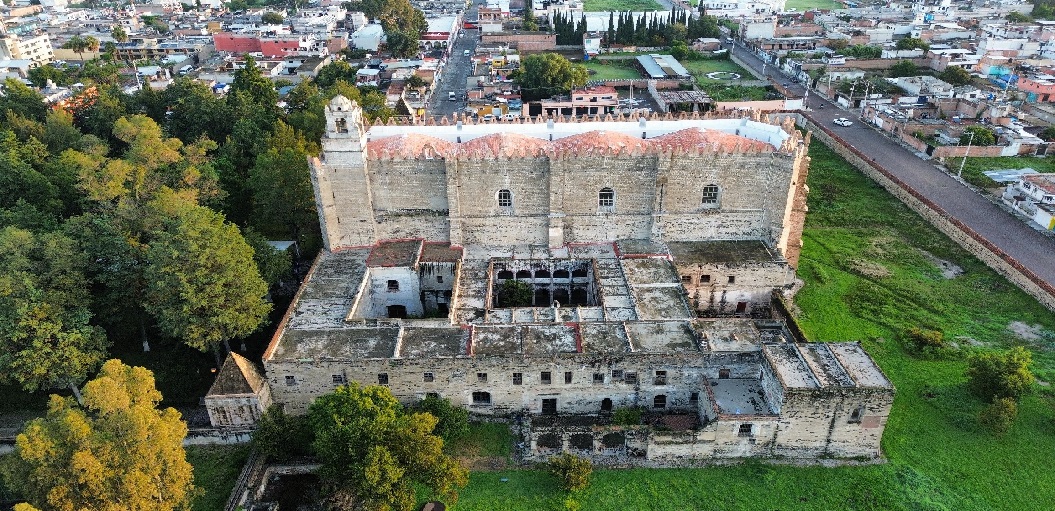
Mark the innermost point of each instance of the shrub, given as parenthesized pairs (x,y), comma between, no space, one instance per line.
(572,472)
(999,416)
(996,375)
(514,293)
(453,421)
(280,436)
(924,342)
(627,416)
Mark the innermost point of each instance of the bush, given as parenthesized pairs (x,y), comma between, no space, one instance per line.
(997,375)
(627,416)
(924,342)
(280,436)
(453,421)
(999,416)
(514,293)
(572,472)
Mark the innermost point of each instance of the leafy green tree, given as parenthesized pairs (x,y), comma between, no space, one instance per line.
(117,451)
(19,179)
(863,51)
(514,293)
(41,74)
(912,43)
(572,472)
(238,5)
(119,34)
(982,136)
(60,134)
(925,342)
(996,375)
(1048,134)
(955,75)
(999,416)
(192,111)
(272,264)
(1017,17)
(22,100)
(281,436)
(46,340)
(272,18)
(334,71)
(78,44)
(202,284)
(530,22)
(401,44)
(904,68)
(546,74)
(283,199)
(250,80)
(375,453)
(451,421)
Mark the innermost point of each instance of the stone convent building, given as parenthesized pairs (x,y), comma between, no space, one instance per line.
(566,270)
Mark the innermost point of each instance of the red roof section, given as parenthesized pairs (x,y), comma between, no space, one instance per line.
(503,144)
(391,253)
(607,141)
(440,252)
(408,146)
(706,140)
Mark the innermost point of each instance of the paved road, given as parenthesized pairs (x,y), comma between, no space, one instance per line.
(1031,248)
(457,70)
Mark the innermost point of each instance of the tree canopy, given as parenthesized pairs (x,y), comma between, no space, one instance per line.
(995,375)
(912,43)
(904,68)
(982,136)
(955,75)
(118,451)
(375,453)
(547,74)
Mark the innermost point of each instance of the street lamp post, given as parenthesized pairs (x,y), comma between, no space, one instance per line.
(959,173)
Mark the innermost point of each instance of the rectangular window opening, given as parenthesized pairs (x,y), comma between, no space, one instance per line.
(686,279)
(547,377)
(428,377)
(567,377)
(598,377)
(339,379)
(393,285)
(630,378)
(705,279)
(518,378)
(382,378)
(481,377)
(661,378)
(291,380)
(732,279)
(745,430)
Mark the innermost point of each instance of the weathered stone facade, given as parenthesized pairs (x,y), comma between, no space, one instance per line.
(611,227)
(239,395)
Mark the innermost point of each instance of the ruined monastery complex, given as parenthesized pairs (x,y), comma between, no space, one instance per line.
(656,251)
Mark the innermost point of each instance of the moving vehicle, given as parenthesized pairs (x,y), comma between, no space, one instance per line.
(452,97)
(842,121)
(466,53)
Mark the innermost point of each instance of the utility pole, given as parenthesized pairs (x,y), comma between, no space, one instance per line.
(959,173)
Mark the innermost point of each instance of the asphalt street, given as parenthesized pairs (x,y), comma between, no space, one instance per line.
(1011,234)
(457,71)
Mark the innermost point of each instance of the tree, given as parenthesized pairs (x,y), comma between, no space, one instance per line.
(982,136)
(572,472)
(514,293)
(91,44)
(77,44)
(202,284)
(999,416)
(912,43)
(995,375)
(955,75)
(119,34)
(530,23)
(272,18)
(925,342)
(545,74)
(451,421)
(401,44)
(1017,17)
(273,264)
(22,100)
(280,436)
(283,199)
(41,74)
(904,68)
(251,81)
(118,451)
(375,453)
(1048,135)
(46,340)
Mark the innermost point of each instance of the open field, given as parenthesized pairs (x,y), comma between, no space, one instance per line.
(972,170)
(700,68)
(871,270)
(805,5)
(216,468)
(612,69)
(621,5)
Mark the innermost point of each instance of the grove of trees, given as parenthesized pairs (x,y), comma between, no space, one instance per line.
(546,74)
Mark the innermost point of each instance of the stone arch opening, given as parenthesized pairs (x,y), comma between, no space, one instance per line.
(606,405)
(523,274)
(581,441)
(613,441)
(549,441)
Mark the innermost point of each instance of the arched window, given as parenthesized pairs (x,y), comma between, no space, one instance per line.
(659,401)
(523,274)
(606,198)
(505,199)
(710,195)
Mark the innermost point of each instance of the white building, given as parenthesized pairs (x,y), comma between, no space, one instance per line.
(36,48)
(1034,196)
(368,37)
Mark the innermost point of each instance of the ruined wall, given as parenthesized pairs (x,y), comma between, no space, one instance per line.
(709,289)
(477,218)
(379,294)
(824,422)
(236,410)
(410,198)
(457,379)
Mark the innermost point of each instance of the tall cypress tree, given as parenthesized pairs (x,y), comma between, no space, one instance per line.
(610,38)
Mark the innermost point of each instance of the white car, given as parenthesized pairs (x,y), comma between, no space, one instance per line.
(842,121)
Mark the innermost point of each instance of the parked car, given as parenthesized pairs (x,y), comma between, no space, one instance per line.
(842,121)
(487,118)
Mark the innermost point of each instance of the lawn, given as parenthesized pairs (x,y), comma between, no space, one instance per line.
(700,68)
(621,5)
(611,69)
(805,5)
(972,170)
(216,468)
(870,272)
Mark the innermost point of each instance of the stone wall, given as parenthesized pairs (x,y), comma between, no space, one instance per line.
(959,232)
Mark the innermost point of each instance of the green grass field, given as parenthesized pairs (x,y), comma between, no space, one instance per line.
(621,5)
(805,5)
(868,264)
(612,69)
(700,68)
(216,468)
(972,170)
